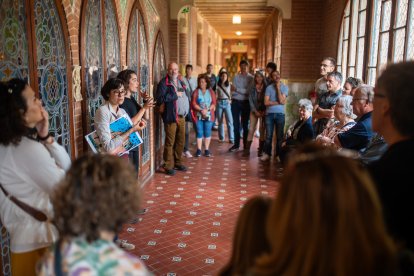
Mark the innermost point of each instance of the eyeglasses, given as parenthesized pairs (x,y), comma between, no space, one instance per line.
(119,92)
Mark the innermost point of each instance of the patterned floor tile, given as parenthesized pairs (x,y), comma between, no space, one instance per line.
(189,225)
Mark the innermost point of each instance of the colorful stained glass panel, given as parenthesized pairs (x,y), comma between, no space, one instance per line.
(51,69)
(13,41)
(93,59)
(113,61)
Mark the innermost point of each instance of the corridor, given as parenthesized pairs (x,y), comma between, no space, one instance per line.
(189,225)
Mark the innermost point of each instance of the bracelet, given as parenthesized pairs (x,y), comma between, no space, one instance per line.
(43,138)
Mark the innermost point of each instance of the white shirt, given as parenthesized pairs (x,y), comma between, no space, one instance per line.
(30,172)
(104,116)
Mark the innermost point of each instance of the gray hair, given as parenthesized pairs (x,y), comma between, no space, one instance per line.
(367,91)
(336,75)
(346,101)
(306,104)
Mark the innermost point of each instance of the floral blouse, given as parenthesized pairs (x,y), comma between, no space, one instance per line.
(100,257)
(333,129)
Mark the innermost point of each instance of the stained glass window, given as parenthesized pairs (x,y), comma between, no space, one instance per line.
(51,69)
(133,43)
(350,58)
(94,52)
(143,56)
(159,71)
(410,31)
(13,42)
(144,79)
(113,61)
(389,38)
(93,59)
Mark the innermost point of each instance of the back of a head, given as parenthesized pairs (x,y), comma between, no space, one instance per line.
(397,84)
(98,193)
(13,106)
(250,236)
(272,66)
(326,219)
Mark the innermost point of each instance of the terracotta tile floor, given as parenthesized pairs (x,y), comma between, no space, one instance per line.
(189,225)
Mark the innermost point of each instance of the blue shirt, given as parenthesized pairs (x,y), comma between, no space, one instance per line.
(271,92)
(358,137)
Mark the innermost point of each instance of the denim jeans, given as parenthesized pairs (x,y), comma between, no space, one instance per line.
(241,113)
(204,128)
(224,108)
(274,120)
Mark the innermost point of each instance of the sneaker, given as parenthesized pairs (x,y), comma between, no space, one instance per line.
(180,168)
(215,127)
(125,245)
(207,153)
(170,171)
(257,134)
(222,141)
(187,154)
(265,157)
(231,142)
(234,148)
(142,211)
(198,153)
(133,221)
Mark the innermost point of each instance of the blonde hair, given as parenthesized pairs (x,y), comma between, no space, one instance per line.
(326,220)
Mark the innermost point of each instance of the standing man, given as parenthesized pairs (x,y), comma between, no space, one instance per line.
(392,118)
(213,78)
(174,107)
(191,84)
(328,65)
(274,100)
(324,109)
(240,106)
(270,68)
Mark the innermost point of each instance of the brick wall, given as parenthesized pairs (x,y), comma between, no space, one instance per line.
(173,31)
(301,41)
(332,17)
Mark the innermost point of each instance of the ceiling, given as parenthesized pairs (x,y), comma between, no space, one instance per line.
(219,14)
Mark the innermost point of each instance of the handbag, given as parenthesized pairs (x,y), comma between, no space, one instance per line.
(36,214)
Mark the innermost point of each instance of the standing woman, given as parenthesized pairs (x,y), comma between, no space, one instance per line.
(203,107)
(257,112)
(113,93)
(132,108)
(31,164)
(223,91)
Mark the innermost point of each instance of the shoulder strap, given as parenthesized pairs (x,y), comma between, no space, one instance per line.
(36,214)
(225,91)
(58,259)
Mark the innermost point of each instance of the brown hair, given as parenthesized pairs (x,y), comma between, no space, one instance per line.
(99,193)
(326,220)
(206,78)
(249,240)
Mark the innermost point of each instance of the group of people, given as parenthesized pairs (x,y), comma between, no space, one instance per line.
(332,215)
(247,103)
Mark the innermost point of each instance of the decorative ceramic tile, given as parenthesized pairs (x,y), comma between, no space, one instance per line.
(209,261)
(190,226)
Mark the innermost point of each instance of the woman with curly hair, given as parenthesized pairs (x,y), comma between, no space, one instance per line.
(31,165)
(326,220)
(97,196)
